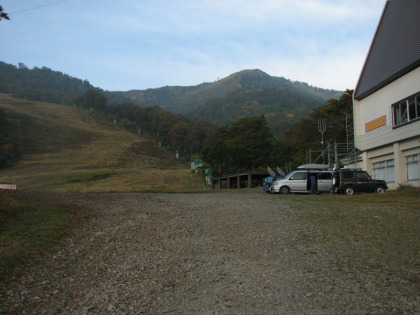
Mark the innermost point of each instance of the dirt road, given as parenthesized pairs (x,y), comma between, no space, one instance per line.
(238,252)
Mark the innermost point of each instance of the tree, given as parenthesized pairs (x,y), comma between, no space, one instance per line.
(178,133)
(245,145)
(304,134)
(197,135)
(3,15)
(92,99)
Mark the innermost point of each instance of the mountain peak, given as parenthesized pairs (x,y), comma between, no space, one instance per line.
(247,73)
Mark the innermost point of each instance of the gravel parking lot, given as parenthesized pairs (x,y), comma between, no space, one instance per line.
(236,252)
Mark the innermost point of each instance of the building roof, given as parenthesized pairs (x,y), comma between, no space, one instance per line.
(395,49)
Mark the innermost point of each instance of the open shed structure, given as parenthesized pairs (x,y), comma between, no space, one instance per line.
(239,180)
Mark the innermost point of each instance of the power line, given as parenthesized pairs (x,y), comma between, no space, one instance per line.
(38,7)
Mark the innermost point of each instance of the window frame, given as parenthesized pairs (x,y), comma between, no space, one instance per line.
(413,162)
(402,110)
(384,165)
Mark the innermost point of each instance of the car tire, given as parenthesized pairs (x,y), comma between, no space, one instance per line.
(349,190)
(379,189)
(284,190)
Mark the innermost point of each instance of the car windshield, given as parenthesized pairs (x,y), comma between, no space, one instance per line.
(288,175)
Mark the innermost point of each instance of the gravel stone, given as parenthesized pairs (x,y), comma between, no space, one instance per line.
(235,252)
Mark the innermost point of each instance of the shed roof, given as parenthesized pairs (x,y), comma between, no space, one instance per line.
(395,49)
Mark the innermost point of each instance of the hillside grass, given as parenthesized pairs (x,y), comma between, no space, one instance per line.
(71,149)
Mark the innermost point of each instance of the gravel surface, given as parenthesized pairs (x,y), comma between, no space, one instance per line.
(236,252)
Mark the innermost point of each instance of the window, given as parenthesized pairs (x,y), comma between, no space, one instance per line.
(414,107)
(298,176)
(347,175)
(384,170)
(406,110)
(324,176)
(413,167)
(362,176)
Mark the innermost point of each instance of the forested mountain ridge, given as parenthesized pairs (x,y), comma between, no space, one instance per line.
(184,100)
(46,85)
(40,84)
(280,107)
(246,93)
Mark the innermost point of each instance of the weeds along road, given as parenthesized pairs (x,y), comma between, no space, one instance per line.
(237,252)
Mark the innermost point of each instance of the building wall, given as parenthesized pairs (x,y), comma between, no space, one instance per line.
(398,152)
(381,142)
(378,105)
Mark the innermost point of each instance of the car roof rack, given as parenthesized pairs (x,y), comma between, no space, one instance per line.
(348,169)
(313,167)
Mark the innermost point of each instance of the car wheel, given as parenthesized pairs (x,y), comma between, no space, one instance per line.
(380,189)
(349,190)
(284,190)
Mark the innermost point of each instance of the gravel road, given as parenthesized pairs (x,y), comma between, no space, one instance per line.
(236,252)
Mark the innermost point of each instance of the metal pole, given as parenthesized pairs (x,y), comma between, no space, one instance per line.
(322,127)
(336,155)
(329,156)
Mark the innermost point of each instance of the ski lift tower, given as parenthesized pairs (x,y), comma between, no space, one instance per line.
(322,127)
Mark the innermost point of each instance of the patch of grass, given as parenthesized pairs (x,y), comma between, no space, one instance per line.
(90,176)
(368,232)
(28,226)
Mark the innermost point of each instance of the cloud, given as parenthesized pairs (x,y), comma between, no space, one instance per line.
(129,44)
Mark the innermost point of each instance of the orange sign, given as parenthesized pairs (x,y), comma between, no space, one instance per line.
(378,122)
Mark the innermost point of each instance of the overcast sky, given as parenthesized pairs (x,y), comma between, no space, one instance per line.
(141,44)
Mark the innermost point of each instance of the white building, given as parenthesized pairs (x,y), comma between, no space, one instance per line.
(386,101)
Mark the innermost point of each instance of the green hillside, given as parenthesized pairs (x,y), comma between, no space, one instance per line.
(71,149)
(184,100)
(243,94)
(280,107)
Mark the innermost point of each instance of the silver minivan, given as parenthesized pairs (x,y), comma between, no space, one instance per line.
(299,182)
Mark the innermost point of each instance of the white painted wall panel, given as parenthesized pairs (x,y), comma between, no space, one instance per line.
(379,104)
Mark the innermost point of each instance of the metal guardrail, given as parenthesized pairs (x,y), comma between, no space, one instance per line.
(335,152)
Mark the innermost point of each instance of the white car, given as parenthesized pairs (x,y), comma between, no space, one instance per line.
(299,182)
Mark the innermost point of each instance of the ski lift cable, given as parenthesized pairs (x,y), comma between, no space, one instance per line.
(38,7)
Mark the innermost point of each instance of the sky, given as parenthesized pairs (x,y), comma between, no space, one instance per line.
(121,45)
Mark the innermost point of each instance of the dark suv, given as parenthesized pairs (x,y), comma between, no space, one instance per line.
(349,180)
